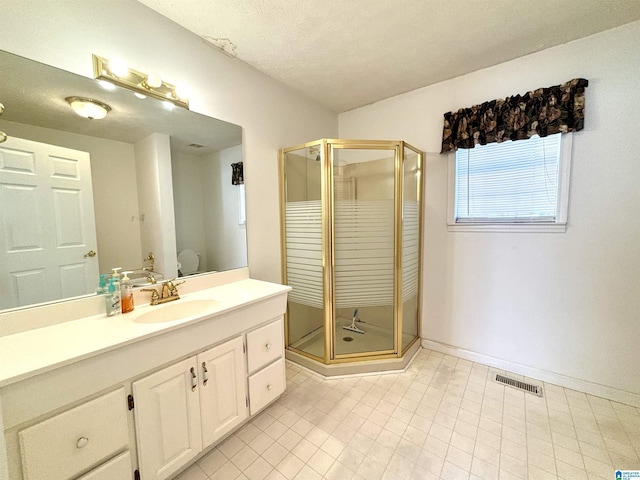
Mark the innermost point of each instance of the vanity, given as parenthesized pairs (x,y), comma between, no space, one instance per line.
(140,395)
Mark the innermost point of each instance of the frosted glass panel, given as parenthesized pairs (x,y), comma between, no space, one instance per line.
(303,232)
(363,250)
(410,246)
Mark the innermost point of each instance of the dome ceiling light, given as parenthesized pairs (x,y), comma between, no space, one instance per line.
(88,107)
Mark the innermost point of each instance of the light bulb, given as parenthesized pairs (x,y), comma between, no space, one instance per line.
(154,80)
(118,67)
(182,91)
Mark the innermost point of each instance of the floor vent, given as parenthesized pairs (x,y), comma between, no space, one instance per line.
(527,387)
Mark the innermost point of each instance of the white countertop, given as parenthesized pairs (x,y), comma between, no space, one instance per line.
(29,353)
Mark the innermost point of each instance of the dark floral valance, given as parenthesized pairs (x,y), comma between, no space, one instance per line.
(237,175)
(545,111)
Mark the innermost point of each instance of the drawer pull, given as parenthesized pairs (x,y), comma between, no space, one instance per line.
(205,374)
(268,346)
(269,387)
(194,379)
(82,442)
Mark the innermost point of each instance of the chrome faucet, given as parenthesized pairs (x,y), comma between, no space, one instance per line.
(168,292)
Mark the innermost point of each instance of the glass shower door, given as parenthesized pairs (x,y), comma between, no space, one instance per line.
(411,172)
(303,234)
(364,250)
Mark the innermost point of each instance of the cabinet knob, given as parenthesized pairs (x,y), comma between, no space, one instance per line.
(82,442)
(269,387)
(267,346)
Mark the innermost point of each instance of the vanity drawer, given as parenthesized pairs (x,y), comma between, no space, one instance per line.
(265,344)
(266,385)
(74,441)
(117,467)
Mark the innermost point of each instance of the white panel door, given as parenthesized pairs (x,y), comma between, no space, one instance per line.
(47,223)
(167,419)
(223,395)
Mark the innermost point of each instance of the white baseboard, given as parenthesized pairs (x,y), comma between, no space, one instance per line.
(621,396)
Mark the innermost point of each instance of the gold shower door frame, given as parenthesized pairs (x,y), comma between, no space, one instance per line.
(327,147)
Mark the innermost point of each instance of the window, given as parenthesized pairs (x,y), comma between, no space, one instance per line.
(511,186)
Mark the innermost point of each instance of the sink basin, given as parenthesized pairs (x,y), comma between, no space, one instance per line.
(176,310)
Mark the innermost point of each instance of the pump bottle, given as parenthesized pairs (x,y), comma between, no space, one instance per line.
(127,293)
(112,299)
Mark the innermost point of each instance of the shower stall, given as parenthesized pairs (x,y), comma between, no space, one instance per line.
(351,215)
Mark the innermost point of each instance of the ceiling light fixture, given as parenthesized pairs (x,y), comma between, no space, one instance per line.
(150,84)
(88,107)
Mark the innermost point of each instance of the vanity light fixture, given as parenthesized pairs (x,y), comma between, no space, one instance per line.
(88,107)
(3,136)
(151,84)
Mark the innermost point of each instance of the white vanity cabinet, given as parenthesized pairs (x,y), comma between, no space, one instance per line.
(184,408)
(98,398)
(77,440)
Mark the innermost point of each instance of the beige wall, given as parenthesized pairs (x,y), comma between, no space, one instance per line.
(559,306)
(272,115)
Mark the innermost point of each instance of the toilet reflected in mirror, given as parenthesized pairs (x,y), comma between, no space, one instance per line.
(188,262)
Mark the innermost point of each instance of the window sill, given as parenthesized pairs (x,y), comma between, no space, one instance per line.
(509,227)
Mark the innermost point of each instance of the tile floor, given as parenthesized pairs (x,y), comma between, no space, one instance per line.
(444,418)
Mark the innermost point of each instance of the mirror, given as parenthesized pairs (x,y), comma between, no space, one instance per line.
(159,180)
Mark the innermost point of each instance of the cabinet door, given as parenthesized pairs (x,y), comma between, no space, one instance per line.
(167,419)
(224,390)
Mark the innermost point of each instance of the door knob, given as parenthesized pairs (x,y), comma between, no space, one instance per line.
(90,253)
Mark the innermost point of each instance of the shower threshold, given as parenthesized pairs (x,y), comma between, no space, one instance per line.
(347,342)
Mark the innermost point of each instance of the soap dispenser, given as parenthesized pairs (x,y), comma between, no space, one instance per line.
(127,293)
(102,286)
(112,299)
(116,274)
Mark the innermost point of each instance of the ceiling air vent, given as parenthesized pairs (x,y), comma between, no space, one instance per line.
(527,387)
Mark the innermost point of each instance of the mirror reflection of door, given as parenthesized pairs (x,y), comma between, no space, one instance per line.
(48,235)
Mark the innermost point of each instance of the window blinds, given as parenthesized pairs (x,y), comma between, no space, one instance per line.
(508,182)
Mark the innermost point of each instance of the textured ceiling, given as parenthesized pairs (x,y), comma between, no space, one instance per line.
(349,53)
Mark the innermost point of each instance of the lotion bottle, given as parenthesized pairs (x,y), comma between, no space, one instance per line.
(112,299)
(102,286)
(127,293)
(116,275)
